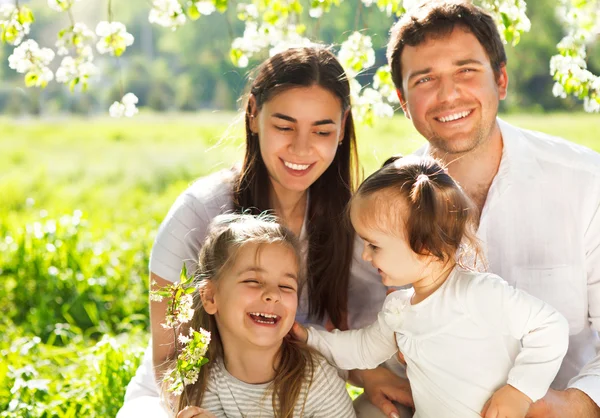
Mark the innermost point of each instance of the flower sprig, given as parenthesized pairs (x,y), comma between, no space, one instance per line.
(191,347)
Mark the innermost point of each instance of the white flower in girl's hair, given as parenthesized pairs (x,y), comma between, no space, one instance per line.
(181,311)
(393,309)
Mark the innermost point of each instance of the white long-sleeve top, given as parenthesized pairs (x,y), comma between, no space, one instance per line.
(469,338)
(540,229)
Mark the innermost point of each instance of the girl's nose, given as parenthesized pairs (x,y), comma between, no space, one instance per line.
(366,254)
(271,294)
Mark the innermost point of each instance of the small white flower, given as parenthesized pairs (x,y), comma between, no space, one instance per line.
(153,296)
(591,104)
(167,13)
(114,38)
(126,107)
(28,58)
(559,91)
(61,5)
(11,27)
(316,12)
(356,54)
(205,7)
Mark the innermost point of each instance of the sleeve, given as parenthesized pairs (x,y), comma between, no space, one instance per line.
(364,348)
(328,394)
(183,230)
(588,379)
(543,332)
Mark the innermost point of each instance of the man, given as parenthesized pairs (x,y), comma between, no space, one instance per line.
(538,196)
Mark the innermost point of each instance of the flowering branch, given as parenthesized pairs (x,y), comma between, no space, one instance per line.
(191,354)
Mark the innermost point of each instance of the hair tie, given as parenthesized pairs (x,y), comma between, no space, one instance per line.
(421,178)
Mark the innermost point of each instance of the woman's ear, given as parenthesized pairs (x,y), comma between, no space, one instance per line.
(253,114)
(343,130)
(207,296)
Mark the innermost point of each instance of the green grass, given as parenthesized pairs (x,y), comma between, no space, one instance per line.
(80,202)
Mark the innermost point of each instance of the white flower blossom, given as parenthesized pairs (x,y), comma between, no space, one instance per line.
(356,54)
(76,37)
(31,60)
(205,7)
(114,38)
(316,12)
(126,107)
(11,27)
(61,5)
(591,104)
(167,13)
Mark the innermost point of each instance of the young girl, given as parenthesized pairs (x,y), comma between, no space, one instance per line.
(248,275)
(474,346)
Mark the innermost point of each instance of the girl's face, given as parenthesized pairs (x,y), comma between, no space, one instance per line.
(389,253)
(255,300)
(299,131)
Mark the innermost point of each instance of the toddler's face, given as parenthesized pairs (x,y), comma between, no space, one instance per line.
(389,252)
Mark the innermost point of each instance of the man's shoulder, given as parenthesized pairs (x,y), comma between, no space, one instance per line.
(561,153)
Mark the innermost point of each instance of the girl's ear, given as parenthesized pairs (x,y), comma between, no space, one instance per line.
(207,296)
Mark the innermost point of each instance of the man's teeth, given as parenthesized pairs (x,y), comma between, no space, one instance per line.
(455,116)
(296,166)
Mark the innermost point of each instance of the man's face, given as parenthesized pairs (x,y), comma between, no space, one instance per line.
(451,92)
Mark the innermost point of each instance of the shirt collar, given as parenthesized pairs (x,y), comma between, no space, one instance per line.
(518,158)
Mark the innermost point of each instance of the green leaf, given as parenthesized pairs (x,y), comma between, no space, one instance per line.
(73,84)
(25,15)
(30,79)
(193,12)
(221,5)
(190,290)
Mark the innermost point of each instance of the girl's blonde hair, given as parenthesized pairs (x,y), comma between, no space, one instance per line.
(441,218)
(295,364)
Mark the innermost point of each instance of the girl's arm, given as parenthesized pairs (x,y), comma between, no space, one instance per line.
(364,348)
(543,332)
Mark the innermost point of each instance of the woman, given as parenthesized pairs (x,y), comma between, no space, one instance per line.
(301,163)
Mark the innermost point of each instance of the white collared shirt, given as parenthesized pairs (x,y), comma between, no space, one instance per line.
(540,229)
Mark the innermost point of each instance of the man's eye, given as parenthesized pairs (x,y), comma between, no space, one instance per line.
(423,80)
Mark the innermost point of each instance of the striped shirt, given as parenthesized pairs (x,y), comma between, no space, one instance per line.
(229,397)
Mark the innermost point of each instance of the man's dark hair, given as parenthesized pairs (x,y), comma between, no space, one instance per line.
(436,19)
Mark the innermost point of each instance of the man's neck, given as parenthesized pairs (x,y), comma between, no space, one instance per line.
(476,169)
(249,365)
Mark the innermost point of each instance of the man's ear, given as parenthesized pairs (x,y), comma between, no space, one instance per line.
(502,81)
(403,103)
(207,296)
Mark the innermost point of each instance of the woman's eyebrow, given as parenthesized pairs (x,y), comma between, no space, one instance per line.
(294,120)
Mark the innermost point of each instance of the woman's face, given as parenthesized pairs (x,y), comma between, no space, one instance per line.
(299,131)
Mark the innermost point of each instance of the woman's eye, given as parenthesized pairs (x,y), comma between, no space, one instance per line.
(283,128)
(324,133)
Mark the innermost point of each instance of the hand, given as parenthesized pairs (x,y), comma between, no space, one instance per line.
(299,332)
(383,387)
(570,403)
(507,402)
(194,412)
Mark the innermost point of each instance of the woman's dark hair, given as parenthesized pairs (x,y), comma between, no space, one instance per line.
(330,239)
(435,19)
(441,218)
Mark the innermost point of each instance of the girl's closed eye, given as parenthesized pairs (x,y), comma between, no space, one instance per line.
(373,247)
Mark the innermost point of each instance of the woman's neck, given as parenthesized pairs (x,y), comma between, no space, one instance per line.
(289,206)
(252,366)
(435,276)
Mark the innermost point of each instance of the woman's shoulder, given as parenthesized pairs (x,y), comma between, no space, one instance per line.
(217,186)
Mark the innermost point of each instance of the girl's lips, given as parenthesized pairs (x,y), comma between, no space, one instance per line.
(264,320)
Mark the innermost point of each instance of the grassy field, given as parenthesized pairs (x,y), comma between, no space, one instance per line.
(80,202)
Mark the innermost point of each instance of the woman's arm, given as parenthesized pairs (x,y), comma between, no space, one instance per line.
(163,347)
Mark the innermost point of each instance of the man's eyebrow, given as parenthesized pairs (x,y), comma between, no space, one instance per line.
(420,72)
(468,61)
(294,120)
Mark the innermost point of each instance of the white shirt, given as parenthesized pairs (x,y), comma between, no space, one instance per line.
(468,339)
(541,231)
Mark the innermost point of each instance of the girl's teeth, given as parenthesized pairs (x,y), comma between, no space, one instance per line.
(296,166)
(455,116)
(264,315)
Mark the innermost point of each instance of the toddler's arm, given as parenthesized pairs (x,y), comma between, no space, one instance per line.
(364,348)
(543,332)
